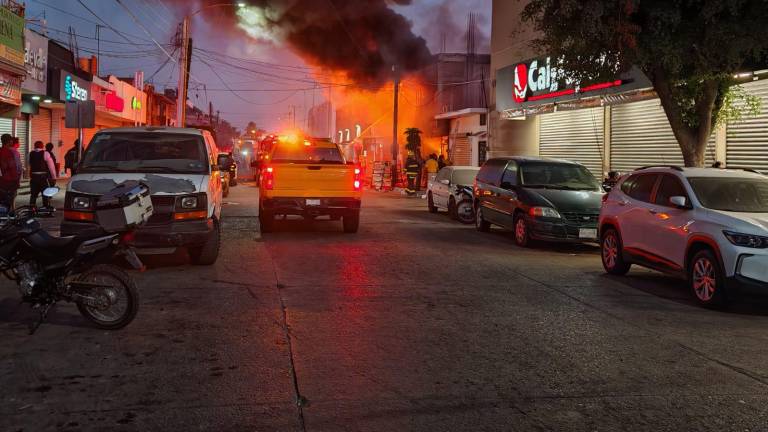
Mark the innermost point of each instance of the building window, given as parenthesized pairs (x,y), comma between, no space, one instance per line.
(483,119)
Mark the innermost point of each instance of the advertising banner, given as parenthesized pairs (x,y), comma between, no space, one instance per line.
(11,38)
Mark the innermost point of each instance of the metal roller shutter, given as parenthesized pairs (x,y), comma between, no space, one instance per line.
(22,132)
(574,135)
(747,140)
(641,136)
(462,153)
(6,126)
(40,126)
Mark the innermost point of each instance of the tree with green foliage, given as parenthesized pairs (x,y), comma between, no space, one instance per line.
(413,141)
(691,50)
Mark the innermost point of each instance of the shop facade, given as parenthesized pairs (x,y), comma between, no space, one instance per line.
(12,73)
(617,124)
(467,138)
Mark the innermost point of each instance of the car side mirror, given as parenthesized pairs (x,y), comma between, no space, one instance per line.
(445,181)
(679,201)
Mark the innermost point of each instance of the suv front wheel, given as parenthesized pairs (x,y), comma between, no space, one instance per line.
(612,253)
(705,277)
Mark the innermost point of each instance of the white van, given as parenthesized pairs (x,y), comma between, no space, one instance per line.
(180,167)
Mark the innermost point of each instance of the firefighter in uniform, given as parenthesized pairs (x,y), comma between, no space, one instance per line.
(412,169)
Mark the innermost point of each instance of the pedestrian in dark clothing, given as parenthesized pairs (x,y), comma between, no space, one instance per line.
(49,150)
(42,173)
(440,162)
(70,158)
(9,174)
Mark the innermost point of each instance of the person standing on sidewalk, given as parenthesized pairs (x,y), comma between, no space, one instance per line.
(70,158)
(42,172)
(49,150)
(432,167)
(9,175)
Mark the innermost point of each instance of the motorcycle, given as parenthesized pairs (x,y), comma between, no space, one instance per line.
(463,210)
(75,269)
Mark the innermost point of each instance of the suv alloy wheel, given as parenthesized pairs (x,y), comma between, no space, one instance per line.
(706,281)
(611,253)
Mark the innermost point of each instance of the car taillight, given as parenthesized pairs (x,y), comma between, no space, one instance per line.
(605,197)
(269,178)
(358,175)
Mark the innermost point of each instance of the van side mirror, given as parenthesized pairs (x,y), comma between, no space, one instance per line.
(679,201)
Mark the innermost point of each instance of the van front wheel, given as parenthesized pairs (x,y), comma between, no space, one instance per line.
(208,253)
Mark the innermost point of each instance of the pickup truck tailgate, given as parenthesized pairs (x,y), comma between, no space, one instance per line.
(303,180)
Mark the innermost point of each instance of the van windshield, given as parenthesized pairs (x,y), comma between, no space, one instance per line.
(146,152)
(549,175)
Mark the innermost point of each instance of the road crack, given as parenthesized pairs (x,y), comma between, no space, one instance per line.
(301,401)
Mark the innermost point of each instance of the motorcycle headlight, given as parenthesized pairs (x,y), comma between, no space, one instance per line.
(747,240)
(81,203)
(189,202)
(545,212)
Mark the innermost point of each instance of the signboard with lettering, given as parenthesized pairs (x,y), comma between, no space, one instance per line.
(11,37)
(73,88)
(10,88)
(36,61)
(527,85)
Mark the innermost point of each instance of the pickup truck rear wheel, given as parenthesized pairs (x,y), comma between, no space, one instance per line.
(267,221)
(208,253)
(351,222)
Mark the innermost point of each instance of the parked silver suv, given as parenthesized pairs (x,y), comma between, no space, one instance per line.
(707,225)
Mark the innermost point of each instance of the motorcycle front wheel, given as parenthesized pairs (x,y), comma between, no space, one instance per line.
(115,297)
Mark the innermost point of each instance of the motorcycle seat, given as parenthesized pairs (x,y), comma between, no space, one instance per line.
(54,245)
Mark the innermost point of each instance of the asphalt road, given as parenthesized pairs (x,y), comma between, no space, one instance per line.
(416,323)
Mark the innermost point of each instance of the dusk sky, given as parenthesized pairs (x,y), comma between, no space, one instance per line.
(265,77)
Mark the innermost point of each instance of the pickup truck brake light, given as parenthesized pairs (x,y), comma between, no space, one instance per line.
(358,176)
(269,178)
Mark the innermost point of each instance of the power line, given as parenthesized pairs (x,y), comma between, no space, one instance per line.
(109,26)
(235,92)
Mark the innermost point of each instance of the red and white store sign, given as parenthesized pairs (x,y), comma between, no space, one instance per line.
(539,80)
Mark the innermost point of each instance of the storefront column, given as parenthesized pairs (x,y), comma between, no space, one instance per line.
(721,144)
(606,139)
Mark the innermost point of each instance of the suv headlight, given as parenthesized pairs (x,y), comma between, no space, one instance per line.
(546,212)
(189,202)
(81,203)
(747,240)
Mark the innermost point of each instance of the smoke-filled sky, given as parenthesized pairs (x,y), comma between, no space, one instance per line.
(252,62)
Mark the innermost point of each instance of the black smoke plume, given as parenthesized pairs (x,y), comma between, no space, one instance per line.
(363,38)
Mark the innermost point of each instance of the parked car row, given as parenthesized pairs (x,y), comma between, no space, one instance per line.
(708,226)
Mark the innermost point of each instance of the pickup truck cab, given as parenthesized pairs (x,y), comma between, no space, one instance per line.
(309,178)
(179,165)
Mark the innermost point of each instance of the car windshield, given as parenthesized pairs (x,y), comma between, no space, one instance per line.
(464,177)
(145,152)
(557,176)
(748,195)
(300,153)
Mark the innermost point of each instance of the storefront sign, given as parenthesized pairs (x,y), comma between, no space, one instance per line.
(74,88)
(541,81)
(135,103)
(36,61)
(10,88)
(11,37)
(113,102)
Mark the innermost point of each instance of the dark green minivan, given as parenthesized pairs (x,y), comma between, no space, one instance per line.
(539,199)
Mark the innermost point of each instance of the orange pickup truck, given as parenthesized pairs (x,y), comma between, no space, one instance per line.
(309,178)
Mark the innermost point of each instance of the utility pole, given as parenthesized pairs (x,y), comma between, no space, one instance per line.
(184,57)
(98,49)
(395,149)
